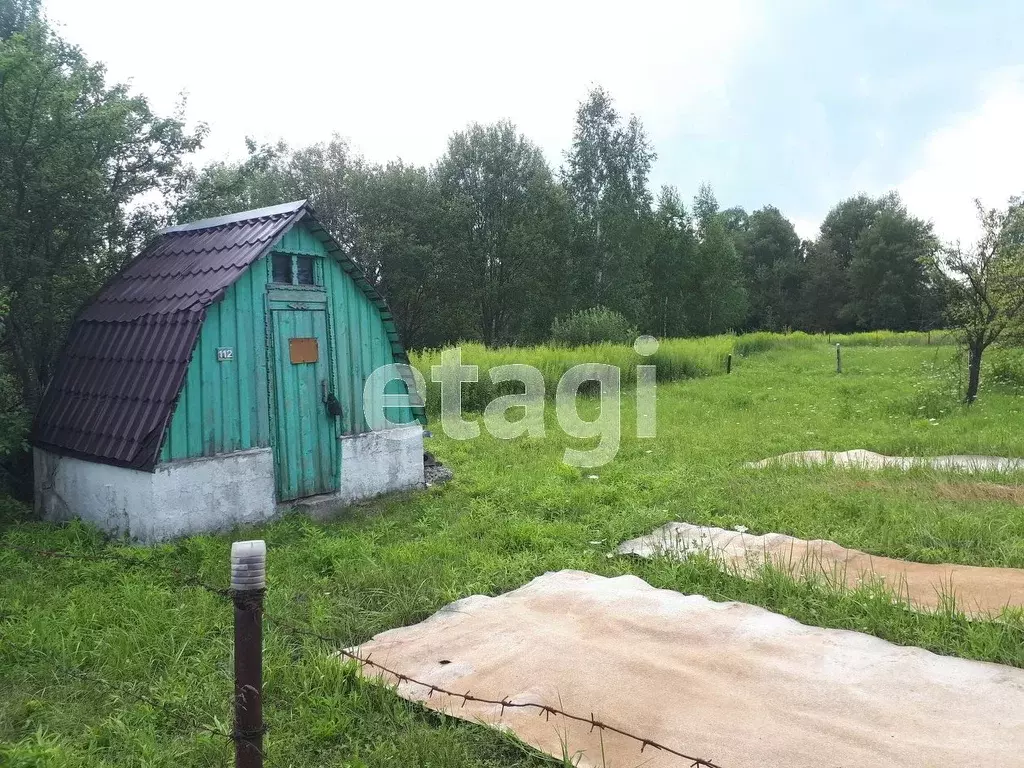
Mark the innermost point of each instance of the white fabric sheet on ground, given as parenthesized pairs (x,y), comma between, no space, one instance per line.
(977,591)
(728,682)
(861,459)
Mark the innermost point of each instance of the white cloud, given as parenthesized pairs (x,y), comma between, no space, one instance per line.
(806,228)
(978,154)
(398,78)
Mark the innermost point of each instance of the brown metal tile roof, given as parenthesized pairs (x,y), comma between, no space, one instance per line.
(127,353)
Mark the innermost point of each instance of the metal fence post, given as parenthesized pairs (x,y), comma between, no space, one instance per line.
(728,364)
(248,583)
(839,360)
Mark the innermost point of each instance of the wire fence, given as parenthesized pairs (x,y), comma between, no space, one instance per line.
(183,579)
(189,721)
(546,710)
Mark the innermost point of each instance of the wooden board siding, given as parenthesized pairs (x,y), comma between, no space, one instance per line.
(361,345)
(299,240)
(225,406)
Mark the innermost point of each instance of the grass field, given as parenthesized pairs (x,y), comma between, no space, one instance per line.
(80,641)
(676,359)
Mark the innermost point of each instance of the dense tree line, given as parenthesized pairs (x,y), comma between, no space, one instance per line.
(491,242)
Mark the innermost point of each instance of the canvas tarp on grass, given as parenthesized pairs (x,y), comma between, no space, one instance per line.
(858,458)
(975,590)
(728,682)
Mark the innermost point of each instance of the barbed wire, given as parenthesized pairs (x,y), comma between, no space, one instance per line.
(547,710)
(124,559)
(338,645)
(127,559)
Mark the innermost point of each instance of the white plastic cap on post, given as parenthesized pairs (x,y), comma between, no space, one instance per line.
(249,565)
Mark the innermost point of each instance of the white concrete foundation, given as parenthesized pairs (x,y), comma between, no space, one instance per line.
(180,498)
(373,463)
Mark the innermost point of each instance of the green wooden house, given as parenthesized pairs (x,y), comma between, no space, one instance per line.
(222,374)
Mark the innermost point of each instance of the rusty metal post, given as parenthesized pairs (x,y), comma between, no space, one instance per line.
(839,360)
(728,364)
(248,583)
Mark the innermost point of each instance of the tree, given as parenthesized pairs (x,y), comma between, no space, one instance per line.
(864,270)
(715,297)
(847,221)
(771,256)
(502,182)
(17,16)
(606,176)
(825,289)
(737,224)
(392,220)
(224,186)
(327,173)
(827,292)
(407,236)
(322,173)
(78,158)
(984,285)
(887,275)
(672,254)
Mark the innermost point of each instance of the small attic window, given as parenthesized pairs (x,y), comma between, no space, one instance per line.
(291,269)
(282,268)
(304,270)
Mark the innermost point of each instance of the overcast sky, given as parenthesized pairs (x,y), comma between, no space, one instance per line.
(793,103)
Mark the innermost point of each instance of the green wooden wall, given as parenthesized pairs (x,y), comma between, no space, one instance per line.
(226,406)
(223,406)
(361,345)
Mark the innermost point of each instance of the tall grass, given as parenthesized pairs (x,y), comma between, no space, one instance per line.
(676,359)
(751,343)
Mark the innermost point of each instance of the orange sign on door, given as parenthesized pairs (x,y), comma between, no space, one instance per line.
(303,351)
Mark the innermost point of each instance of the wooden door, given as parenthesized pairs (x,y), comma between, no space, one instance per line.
(306,446)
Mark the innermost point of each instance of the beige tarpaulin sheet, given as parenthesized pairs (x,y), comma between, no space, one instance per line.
(729,682)
(861,459)
(977,591)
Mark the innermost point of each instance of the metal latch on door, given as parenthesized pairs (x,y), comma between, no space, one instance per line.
(333,405)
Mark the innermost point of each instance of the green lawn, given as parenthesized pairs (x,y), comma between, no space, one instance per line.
(81,641)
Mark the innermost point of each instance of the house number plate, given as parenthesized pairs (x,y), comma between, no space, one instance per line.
(225,353)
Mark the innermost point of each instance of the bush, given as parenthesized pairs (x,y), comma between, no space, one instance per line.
(592,326)
(15,458)
(1005,366)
